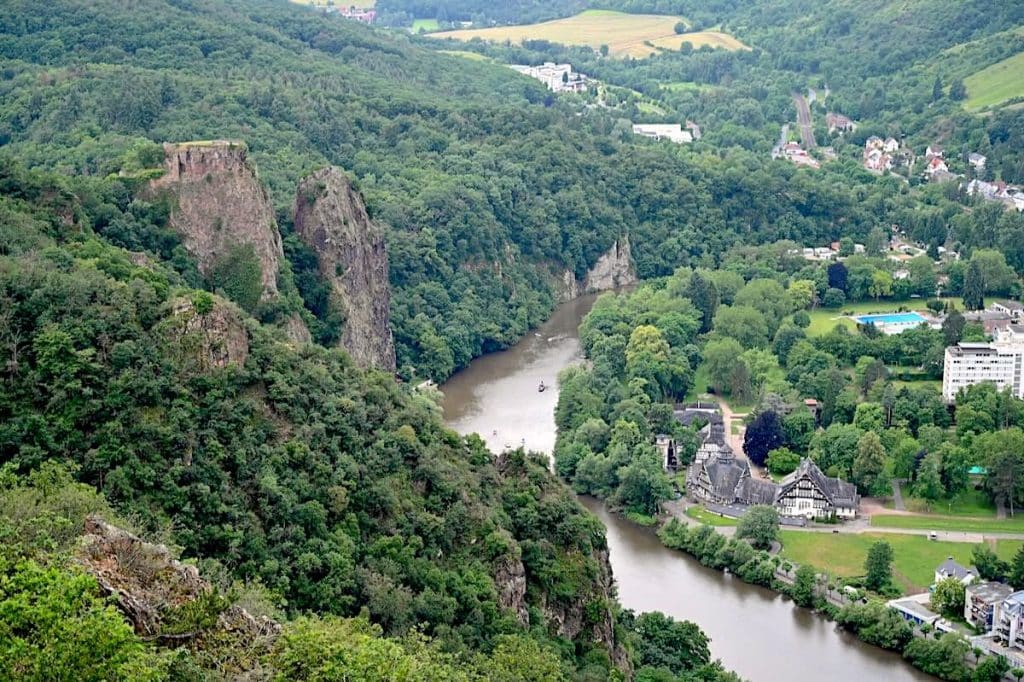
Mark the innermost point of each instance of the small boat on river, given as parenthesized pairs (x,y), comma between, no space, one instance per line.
(541,388)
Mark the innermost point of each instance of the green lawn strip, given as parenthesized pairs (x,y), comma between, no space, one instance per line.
(915,556)
(704,516)
(965,524)
(996,83)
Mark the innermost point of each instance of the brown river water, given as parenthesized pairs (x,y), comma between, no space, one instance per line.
(755,631)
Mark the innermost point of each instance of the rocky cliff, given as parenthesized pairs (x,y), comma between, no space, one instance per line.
(206,332)
(330,218)
(218,204)
(612,270)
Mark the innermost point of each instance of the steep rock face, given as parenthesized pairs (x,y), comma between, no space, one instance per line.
(612,270)
(208,334)
(330,218)
(220,205)
(510,577)
(146,583)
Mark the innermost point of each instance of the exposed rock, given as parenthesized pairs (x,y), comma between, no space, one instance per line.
(210,336)
(612,270)
(330,218)
(146,583)
(219,204)
(510,577)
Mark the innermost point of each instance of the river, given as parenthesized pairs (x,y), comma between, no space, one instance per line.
(755,631)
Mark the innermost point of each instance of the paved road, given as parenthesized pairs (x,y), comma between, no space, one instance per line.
(897,495)
(803,118)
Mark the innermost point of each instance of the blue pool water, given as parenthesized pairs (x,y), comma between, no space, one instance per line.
(891,318)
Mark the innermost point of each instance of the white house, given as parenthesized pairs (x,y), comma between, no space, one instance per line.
(951,569)
(890,145)
(1009,621)
(663,131)
(976,160)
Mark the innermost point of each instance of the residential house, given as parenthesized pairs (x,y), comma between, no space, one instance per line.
(980,602)
(1015,309)
(937,171)
(694,129)
(890,146)
(933,151)
(913,609)
(838,122)
(365,16)
(663,131)
(810,493)
(977,160)
(951,569)
(798,155)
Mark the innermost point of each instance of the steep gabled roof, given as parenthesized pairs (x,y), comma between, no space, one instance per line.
(756,491)
(839,493)
(725,474)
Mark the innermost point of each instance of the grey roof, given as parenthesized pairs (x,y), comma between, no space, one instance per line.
(990,593)
(914,607)
(839,493)
(950,568)
(705,413)
(756,491)
(1011,305)
(725,473)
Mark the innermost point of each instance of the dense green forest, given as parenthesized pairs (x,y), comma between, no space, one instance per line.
(283,472)
(490,188)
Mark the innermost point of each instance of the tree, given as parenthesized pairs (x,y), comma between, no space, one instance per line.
(662,642)
(760,525)
(878,566)
(743,323)
(953,328)
(869,465)
(838,277)
(604,50)
(928,483)
(881,284)
(1016,575)
(877,242)
(680,27)
(957,90)
(804,585)
(703,294)
(782,461)
(948,597)
(937,89)
(719,357)
(974,287)
(943,657)
(989,565)
(763,435)
(740,388)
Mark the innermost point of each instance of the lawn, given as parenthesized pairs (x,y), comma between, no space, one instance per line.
(968,503)
(996,84)
(472,56)
(915,557)
(425,25)
(704,516)
(963,524)
(624,34)
(823,320)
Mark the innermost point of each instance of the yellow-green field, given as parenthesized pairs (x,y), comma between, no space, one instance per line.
(624,34)
(471,56)
(425,25)
(996,84)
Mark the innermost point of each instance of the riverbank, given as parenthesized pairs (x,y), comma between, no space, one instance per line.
(753,630)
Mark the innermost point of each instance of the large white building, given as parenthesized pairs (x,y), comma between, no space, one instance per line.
(1000,362)
(558,77)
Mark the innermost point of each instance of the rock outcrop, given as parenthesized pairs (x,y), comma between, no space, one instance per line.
(206,332)
(218,204)
(147,584)
(331,219)
(612,270)
(510,578)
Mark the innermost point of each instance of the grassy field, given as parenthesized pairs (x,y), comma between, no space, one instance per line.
(914,562)
(996,84)
(942,522)
(683,86)
(472,56)
(425,25)
(824,320)
(704,516)
(361,4)
(624,34)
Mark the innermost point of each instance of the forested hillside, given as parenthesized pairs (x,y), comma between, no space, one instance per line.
(489,187)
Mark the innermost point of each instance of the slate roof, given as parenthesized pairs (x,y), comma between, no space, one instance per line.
(688,415)
(839,493)
(756,491)
(952,569)
(725,473)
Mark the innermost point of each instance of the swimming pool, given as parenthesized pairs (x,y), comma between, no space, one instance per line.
(892,318)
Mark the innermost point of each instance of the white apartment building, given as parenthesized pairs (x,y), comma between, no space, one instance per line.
(1000,362)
